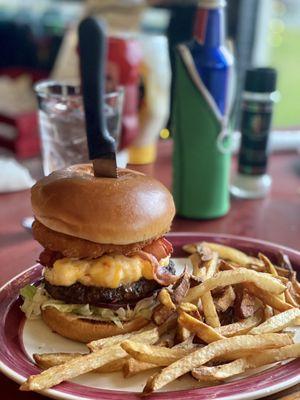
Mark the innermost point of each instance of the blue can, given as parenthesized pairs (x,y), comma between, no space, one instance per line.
(212,59)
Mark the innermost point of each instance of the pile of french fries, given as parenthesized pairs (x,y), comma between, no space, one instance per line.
(226,317)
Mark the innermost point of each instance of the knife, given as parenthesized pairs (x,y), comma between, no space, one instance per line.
(92,49)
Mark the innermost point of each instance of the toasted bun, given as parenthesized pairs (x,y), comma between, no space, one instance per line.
(84,330)
(132,208)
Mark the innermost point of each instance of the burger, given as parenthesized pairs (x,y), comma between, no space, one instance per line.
(105,256)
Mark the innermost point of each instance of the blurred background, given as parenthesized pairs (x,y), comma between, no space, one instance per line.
(37,41)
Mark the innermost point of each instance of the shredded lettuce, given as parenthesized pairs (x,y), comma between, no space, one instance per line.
(37,299)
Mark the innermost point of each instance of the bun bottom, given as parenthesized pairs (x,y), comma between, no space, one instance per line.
(84,330)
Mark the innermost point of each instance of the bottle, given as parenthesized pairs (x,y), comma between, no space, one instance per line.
(201,159)
(252,180)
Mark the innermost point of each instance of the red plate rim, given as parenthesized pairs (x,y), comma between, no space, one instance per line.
(15,364)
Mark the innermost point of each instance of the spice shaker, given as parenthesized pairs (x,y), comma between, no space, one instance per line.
(252,180)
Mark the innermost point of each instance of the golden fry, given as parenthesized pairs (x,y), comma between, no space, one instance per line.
(225,300)
(277,322)
(241,327)
(151,330)
(226,278)
(267,298)
(133,367)
(165,299)
(155,354)
(212,351)
(75,367)
(220,372)
(202,330)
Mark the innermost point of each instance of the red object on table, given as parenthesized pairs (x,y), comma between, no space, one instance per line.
(124,59)
(26,142)
(275,218)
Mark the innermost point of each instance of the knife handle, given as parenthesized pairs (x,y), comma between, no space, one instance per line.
(92,49)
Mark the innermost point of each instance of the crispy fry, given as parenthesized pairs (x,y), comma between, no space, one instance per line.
(270,268)
(224,371)
(241,327)
(245,304)
(164,298)
(267,298)
(209,310)
(77,366)
(226,278)
(225,252)
(220,372)
(202,330)
(274,355)
(226,266)
(181,287)
(208,306)
(48,360)
(277,322)
(133,367)
(212,351)
(199,269)
(161,313)
(225,300)
(290,298)
(151,330)
(155,354)
(268,312)
(182,334)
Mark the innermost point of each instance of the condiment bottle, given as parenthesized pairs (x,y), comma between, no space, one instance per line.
(201,160)
(252,180)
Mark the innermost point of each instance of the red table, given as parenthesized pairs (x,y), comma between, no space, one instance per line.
(275,218)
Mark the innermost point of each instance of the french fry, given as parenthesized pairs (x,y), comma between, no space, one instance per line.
(212,351)
(182,334)
(133,367)
(268,312)
(151,330)
(47,360)
(270,268)
(225,300)
(274,355)
(225,252)
(277,322)
(75,367)
(199,269)
(161,313)
(226,266)
(164,298)
(208,306)
(224,371)
(245,304)
(202,330)
(226,278)
(290,299)
(220,372)
(241,327)
(155,354)
(267,298)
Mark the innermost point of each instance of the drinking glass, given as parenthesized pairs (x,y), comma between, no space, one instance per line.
(62,123)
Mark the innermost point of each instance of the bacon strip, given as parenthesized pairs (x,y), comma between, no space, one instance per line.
(160,248)
(160,274)
(48,257)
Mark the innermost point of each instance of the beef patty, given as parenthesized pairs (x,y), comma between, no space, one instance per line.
(106,297)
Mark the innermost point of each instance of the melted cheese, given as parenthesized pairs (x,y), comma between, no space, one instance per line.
(106,271)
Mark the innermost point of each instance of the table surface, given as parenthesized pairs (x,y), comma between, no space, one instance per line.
(275,218)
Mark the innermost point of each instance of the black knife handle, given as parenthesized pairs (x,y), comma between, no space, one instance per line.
(92,49)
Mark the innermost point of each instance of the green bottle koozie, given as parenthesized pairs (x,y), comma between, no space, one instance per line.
(200,166)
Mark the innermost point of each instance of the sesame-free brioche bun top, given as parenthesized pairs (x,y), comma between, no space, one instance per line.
(132,208)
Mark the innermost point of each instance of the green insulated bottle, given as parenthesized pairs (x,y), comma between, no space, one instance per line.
(201,158)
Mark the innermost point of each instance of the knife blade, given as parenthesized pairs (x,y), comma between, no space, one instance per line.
(93,50)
